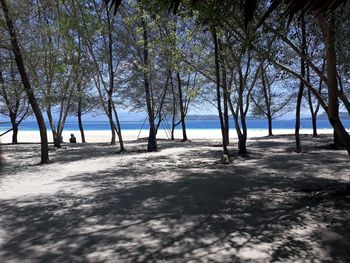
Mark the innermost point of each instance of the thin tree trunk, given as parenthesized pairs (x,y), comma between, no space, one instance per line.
(119,131)
(226,140)
(79,115)
(111,124)
(267,103)
(80,122)
(301,88)
(297,118)
(218,94)
(182,110)
(26,83)
(269,120)
(12,113)
(311,106)
(225,98)
(56,140)
(173,119)
(242,137)
(313,115)
(111,82)
(152,139)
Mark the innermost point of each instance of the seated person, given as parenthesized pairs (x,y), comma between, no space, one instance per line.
(72,139)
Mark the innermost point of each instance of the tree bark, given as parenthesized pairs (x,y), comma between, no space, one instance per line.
(152,139)
(328,30)
(269,120)
(80,122)
(225,98)
(26,83)
(14,133)
(301,88)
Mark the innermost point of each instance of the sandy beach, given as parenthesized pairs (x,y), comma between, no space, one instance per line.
(175,205)
(129,135)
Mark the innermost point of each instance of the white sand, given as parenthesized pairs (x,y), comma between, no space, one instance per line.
(175,205)
(128,135)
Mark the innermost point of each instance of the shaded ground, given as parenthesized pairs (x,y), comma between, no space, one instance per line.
(179,204)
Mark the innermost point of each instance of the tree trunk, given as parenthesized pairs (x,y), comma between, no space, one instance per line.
(311,106)
(80,122)
(14,133)
(313,116)
(267,102)
(297,118)
(152,139)
(55,136)
(26,83)
(111,123)
(301,88)
(242,145)
(182,110)
(328,30)
(314,125)
(218,94)
(173,119)
(225,98)
(57,141)
(269,120)
(119,131)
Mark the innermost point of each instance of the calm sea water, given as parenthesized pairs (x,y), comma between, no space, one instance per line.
(191,124)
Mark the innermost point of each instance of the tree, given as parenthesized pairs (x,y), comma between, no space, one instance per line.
(271,97)
(26,82)
(15,101)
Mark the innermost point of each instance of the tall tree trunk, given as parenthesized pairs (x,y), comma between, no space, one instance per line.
(301,87)
(218,94)
(182,108)
(311,106)
(173,119)
(80,121)
(111,123)
(225,93)
(225,98)
(267,102)
(152,139)
(242,136)
(26,83)
(297,117)
(328,30)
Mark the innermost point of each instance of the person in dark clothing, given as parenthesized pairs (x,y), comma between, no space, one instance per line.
(72,139)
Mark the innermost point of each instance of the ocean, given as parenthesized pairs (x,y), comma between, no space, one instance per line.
(190,124)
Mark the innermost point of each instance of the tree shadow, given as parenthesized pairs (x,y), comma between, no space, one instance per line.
(158,209)
(212,216)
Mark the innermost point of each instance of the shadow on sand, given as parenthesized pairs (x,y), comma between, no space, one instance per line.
(218,214)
